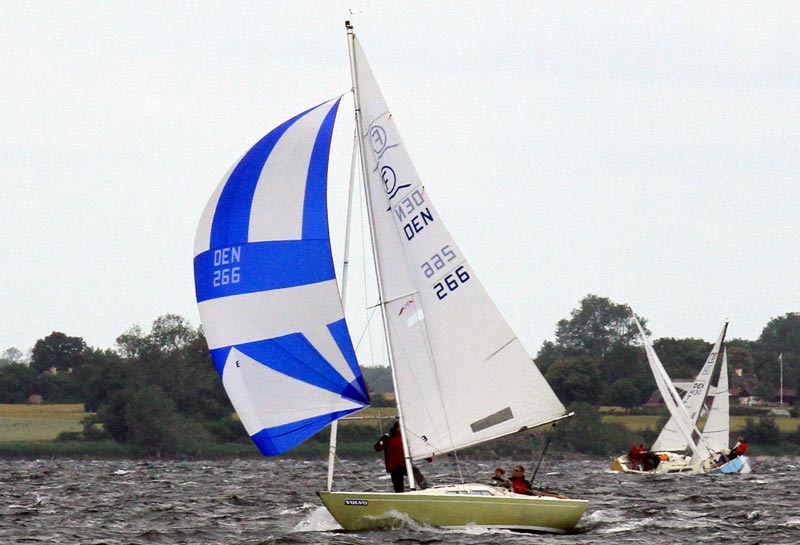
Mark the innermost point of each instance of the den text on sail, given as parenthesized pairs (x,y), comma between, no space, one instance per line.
(226,266)
(413,214)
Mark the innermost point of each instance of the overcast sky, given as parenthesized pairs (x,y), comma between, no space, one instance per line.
(646,152)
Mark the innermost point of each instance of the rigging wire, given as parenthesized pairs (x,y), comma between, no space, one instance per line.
(544,450)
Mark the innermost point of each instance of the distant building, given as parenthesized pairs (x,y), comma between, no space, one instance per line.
(681,385)
(743,387)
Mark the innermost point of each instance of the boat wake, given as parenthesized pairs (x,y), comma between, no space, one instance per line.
(318,520)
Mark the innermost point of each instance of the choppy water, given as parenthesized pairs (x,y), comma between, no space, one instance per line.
(274,501)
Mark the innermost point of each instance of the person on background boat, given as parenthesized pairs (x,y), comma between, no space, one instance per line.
(739,448)
(636,457)
(392,446)
(651,460)
(519,483)
(499,479)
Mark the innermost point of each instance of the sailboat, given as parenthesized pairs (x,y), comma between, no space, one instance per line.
(708,448)
(273,317)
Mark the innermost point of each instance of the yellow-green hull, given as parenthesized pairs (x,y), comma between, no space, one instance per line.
(454,506)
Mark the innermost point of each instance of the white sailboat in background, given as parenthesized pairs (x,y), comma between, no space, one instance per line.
(671,439)
(717,429)
(273,318)
(708,448)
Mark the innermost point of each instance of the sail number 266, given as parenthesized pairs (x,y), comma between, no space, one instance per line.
(437,262)
(451,282)
(226,268)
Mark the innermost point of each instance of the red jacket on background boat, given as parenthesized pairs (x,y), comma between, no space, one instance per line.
(739,448)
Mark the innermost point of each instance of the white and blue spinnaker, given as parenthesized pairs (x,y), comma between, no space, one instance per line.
(267,291)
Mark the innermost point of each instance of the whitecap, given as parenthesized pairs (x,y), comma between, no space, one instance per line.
(605,515)
(628,526)
(319,520)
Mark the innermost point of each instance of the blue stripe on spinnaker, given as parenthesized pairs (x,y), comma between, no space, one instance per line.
(261,266)
(357,391)
(315,205)
(232,216)
(219,356)
(341,335)
(277,440)
(294,356)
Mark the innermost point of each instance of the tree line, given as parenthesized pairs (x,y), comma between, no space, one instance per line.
(159,390)
(597,356)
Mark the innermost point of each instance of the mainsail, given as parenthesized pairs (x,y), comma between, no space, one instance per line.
(718,424)
(267,291)
(462,376)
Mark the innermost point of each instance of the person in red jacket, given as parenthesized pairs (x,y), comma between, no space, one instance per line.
(392,446)
(519,483)
(739,448)
(637,457)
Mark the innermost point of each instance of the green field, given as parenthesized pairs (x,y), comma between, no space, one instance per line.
(32,429)
(38,422)
(20,422)
(643,422)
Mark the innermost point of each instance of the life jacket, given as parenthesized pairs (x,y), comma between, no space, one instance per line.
(393,452)
(741,449)
(520,486)
(636,454)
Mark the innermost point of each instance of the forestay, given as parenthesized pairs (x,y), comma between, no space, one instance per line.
(462,376)
(267,292)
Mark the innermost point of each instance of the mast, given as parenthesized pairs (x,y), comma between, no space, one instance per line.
(345,269)
(358,121)
(780,359)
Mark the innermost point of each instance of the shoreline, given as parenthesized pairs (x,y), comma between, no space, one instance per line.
(109,450)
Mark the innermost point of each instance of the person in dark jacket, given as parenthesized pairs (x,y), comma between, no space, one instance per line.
(499,479)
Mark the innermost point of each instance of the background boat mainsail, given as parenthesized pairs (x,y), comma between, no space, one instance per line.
(717,429)
(267,291)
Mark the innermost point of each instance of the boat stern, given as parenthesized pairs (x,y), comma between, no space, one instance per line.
(620,464)
(740,464)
